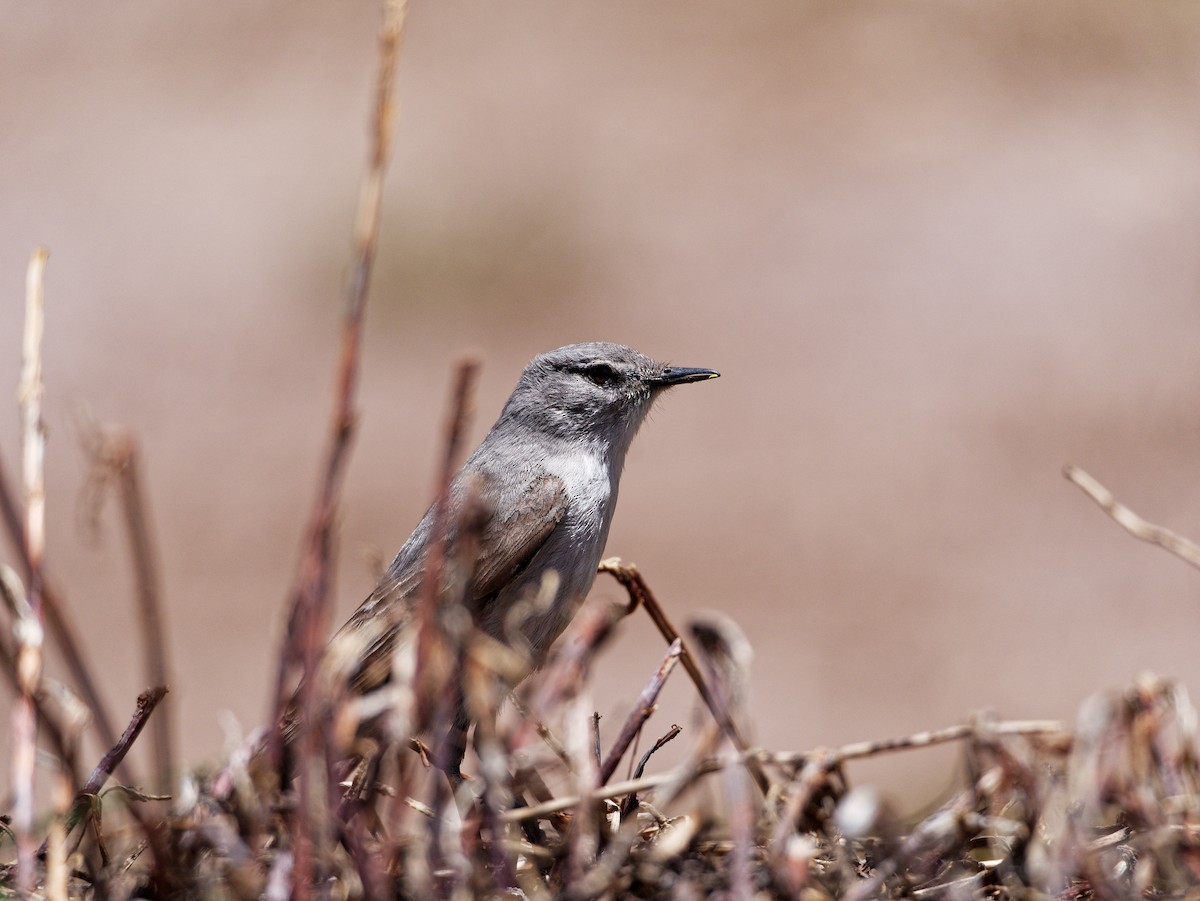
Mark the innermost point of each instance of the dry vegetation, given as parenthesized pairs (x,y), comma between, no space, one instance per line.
(1105,811)
(352,806)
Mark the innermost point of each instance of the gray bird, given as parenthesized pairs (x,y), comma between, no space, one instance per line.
(545,478)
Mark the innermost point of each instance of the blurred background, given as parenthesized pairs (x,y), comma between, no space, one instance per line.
(937,250)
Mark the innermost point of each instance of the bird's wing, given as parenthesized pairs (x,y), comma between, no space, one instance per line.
(518,518)
(517,525)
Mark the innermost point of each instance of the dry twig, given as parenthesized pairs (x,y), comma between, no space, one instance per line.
(115,458)
(57,732)
(29,624)
(638,716)
(1186,550)
(640,595)
(61,629)
(146,703)
(309,609)
(793,759)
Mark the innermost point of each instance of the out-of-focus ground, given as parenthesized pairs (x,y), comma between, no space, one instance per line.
(937,250)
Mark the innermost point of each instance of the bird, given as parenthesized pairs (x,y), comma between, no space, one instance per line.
(542,489)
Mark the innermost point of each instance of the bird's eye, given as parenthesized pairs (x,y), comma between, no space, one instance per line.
(600,373)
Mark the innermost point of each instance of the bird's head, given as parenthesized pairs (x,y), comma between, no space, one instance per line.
(598,391)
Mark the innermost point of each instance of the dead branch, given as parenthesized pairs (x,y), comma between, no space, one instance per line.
(56,732)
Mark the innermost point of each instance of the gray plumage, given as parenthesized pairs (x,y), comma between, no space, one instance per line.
(545,479)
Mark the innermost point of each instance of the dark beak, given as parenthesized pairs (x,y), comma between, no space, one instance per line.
(680,375)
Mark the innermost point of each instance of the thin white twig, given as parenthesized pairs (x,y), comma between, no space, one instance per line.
(29,625)
(1186,550)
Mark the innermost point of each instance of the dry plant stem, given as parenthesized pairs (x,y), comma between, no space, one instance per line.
(1139,528)
(375,885)
(668,736)
(146,703)
(29,625)
(790,759)
(630,804)
(431,589)
(622,842)
(856,750)
(60,625)
(639,594)
(165,870)
(582,838)
(86,800)
(118,453)
(309,614)
(366,235)
(615,790)
(56,857)
(637,717)
(310,601)
(438,652)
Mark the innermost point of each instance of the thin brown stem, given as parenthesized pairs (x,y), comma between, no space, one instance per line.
(430,638)
(629,805)
(439,654)
(309,608)
(639,594)
(116,456)
(146,703)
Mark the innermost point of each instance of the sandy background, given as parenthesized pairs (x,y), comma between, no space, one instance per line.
(937,250)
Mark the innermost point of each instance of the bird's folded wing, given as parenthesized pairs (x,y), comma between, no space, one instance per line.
(516,529)
(507,543)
